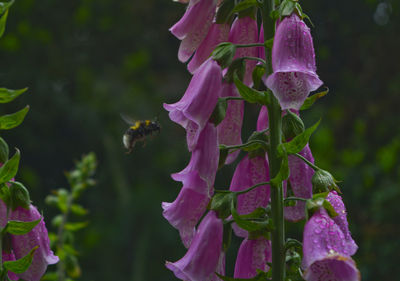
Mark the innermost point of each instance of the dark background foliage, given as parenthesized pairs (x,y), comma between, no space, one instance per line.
(87,61)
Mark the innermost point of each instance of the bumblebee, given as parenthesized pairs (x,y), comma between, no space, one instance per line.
(138,131)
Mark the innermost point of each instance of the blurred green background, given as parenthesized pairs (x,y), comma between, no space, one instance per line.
(87,61)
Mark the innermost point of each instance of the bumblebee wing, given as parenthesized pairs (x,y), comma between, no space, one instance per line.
(129,120)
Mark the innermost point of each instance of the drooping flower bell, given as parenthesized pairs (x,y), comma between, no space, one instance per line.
(326,255)
(204,256)
(249,172)
(245,31)
(252,255)
(218,33)
(198,180)
(300,182)
(293,63)
(193,27)
(195,107)
(230,129)
(38,236)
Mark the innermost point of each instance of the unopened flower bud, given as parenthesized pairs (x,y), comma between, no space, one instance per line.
(19,195)
(292,125)
(323,181)
(224,53)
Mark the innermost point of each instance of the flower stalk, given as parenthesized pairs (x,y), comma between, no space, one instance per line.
(275,125)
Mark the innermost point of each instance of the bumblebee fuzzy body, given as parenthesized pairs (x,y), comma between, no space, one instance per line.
(138,131)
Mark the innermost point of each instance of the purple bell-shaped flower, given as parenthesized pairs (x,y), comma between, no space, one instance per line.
(204,256)
(293,63)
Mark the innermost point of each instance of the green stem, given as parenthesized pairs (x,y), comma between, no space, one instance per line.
(295,199)
(306,161)
(232,98)
(252,187)
(239,146)
(275,125)
(256,59)
(249,45)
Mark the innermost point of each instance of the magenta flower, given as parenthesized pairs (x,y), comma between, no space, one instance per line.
(193,26)
(341,221)
(218,33)
(326,254)
(22,244)
(245,31)
(252,255)
(293,62)
(230,129)
(198,180)
(300,181)
(250,171)
(204,256)
(204,160)
(194,109)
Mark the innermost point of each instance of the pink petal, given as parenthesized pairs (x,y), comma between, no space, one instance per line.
(293,62)
(230,129)
(218,33)
(252,255)
(194,109)
(248,173)
(203,257)
(245,31)
(10,257)
(300,181)
(38,236)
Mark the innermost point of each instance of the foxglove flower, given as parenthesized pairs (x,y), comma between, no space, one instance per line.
(293,63)
(204,160)
(230,129)
(193,26)
(341,220)
(194,109)
(262,121)
(245,31)
(198,180)
(252,255)
(22,244)
(218,33)
(326,255)
(204,256)
(300,181)
(250,171)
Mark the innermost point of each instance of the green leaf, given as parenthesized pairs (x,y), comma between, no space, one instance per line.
(292,125)
(244,5)
(219,112)
(5,5)
(3,20)
(5,194)
(329,208)
(225,11)
(250,225)
(298,142)
(20,227)
(10,168)
(78,210)
(13,120)
(257,213)
(75,226)
(7,95)
(249,94)
(221,203)
(19,195)
(237,67)
(21,265)
(283,173)
(4,151)
(286,8)
(312,99)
